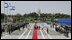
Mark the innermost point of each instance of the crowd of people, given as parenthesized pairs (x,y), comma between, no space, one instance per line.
(62,29)
(10,28)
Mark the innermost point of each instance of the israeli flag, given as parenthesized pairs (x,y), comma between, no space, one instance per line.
(7,5)
(12,7)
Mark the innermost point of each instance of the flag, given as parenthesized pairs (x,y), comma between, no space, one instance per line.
(12,7)
(10,19)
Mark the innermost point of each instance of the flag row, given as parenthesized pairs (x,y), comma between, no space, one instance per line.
(8,5)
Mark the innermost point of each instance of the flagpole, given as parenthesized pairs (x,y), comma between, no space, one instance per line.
(9,11)
(4,11)
(7,15)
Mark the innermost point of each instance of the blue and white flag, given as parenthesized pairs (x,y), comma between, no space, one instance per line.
(6,5)
(12,7)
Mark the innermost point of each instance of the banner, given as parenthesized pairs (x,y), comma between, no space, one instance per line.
(64,21)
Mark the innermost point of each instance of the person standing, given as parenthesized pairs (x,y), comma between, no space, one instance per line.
(39,27)
(23,26)
(57,28)
(66,31)
(47,30)
(26,25)
(19,27)
(9,29)
(34,27)
(1,31)
(12,28)
(51,25)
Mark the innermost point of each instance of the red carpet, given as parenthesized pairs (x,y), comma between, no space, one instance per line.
(35,32)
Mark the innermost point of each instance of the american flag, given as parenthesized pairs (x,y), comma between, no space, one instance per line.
(10,19)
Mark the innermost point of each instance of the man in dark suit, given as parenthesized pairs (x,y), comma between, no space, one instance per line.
(47,30)
(19,27)
(39,27)
(9,28)
(1,31)
(66,31)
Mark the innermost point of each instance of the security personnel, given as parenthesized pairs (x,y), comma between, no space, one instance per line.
(9,28)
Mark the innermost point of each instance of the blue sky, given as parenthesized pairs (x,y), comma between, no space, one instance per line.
(23,7)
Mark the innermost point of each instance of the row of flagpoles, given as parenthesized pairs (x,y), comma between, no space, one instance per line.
(9,7)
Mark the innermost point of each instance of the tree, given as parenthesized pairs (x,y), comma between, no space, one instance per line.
(3,15)
(33,15)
